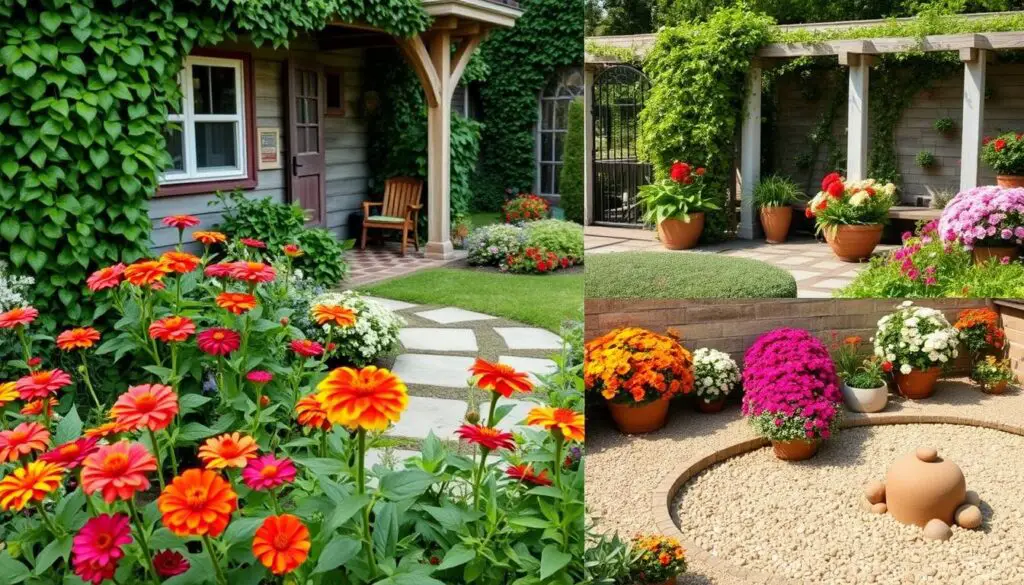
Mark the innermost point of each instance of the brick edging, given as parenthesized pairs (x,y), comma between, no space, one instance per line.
(665,493)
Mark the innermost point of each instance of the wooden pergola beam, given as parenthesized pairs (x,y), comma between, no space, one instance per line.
(415,51)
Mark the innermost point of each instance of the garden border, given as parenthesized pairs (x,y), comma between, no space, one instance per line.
(665,493)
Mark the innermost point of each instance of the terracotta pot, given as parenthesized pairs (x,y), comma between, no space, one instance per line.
(634,419)
(795,450)
(710,407)
(676,234)
(1008,181)
(997,388)
(918,384)
(982,254)
(853,243)
(775,221)
(865,399)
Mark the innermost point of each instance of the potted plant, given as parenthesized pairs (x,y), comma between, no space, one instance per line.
(715,374)
(863,385)
(657,560)
(774,197)
(989,221)
(980,332)
(925,159)
(637,372)
(993,375)
(676,205)
(914,343)
(851,214)
(791,392)
(945,126)
(1005,156)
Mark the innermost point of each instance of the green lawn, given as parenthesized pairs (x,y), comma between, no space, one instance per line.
(541,300)
(482,218)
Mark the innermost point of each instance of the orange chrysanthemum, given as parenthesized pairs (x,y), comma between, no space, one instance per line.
(146,272)
(8,393)
(310,413)
(281,543)
(104,430)
(636,365)
(180,262)
(335,314)
(370,398)
(500,378)
(172,329)
(22,440)
(236,303)
(228,450)
(35,407)
(78,338)
(568,422)
(29,483)
(151,406)
(209,238)
(117,471)
(198,502)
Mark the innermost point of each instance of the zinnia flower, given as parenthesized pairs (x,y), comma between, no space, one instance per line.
(259,377)
(228,450)
(29,483)
(310,413)
(218,341)
(151,406)
(292,250)
(42,384)
(209,238)
(36,407)
(236,303)
(180,221)
(8,393)
(370,398)
(500,378)
(197,502)
(97,546)
(117,471)
(104,430)
(22,440)
(338,315)
(104,278)
(489,438)
(524,472)
(171,329)
(71,454)
(252,272)
(18,316)
(566,421)
(169,563)
(218,270)
(268,472)
(253,243)
(78,338)
(281,543)
(306,347)
(146,272)
(180,262)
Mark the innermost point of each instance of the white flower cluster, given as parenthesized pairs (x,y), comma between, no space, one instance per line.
(375,333)
(13,289)
(715,374)
(916,337)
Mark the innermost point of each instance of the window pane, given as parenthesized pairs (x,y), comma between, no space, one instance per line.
(175,149)
(216,145)
(333,90)
(546,146)
(213,90)
(300,140)
(312,140)
(545,178)
(201,89)
(313,85)
(314,117)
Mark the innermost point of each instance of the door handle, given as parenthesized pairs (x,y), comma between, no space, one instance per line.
(296,165)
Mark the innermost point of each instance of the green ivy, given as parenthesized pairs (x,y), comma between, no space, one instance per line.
(85,89)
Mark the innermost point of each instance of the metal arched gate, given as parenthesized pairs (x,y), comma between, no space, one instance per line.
(619,95)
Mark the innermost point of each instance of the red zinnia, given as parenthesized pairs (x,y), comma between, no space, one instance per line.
(108,277)
(117,471)
(268,472)
(71,454)
(252,272)
(181,221)
(259,377)
(306,347)
(97,547)
(169,563)
(41,384)
(487,437)
(218,341)
(79,338)
(18,316)
(253,243)
(173,328)
(524,472)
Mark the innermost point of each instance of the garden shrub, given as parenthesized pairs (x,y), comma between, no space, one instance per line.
(564,238)
(660,275)
(570,183)
(525,207)
(490,245)
(374,335)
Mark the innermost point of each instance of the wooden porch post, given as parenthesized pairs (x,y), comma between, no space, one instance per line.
(857,129)
(973,116)
(750,155)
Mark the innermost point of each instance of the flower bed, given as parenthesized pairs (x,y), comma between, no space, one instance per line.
(525,207)
(537,247)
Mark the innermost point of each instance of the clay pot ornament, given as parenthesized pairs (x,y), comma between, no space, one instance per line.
(925,490)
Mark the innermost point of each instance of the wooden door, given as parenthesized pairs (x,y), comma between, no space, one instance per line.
(307,177)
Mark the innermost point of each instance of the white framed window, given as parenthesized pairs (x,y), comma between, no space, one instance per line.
(553,124)
(207,137)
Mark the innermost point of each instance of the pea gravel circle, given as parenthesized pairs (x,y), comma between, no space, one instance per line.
(802,522)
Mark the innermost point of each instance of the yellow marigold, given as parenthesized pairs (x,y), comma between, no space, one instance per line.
(635,365)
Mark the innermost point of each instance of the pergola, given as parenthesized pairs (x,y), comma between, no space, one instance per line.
(859,55)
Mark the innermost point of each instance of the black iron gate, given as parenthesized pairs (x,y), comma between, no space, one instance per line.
(619,95)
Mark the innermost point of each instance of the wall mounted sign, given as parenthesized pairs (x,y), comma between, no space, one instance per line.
(270,148)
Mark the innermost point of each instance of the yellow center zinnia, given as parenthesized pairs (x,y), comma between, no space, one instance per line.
(370,398)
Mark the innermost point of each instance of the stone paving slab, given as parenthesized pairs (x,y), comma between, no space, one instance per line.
(532,366)
(437,339)
(425,415)
(450,371)
(529,338)
(391,304)
(449,315)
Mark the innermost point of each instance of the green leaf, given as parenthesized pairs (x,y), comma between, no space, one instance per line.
(340,550)
(530,522)
(12,570)
(552,560)
(189,402)
(74,64)
(346,510)
(457,555)
(86,111)
(9,228)
(50,21)
(129,166)
(24,69)
(241,530)
(69,428)
(56,549)
(132,56)
(99,157)
(408,483)
(107,73)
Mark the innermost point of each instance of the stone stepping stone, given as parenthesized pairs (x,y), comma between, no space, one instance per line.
(438,339)
(449,315)
(391,304)
(425,415)
(516,417)
(451,371)
(532,366)
(529,338)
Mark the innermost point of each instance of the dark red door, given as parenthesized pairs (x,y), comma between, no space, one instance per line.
(306,184)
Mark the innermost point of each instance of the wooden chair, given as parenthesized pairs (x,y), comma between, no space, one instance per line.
(400,210)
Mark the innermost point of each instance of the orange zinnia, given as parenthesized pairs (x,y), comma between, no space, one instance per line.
(236,303)
(340,316)
(310,413)
(117,471)
(181,262)
(146,272)
(151,406)
(35,407)
(78,338)
(369,398)
(8,393)
(281,543)
(500,378)
(198,502)
(209,238)
(22,440)
(29,483)
(171,329)
(228,450)
(566,421)
(104,430)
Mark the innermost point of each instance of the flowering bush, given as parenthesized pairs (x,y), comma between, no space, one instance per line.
(633,365)
(715,374)
(1005,154)
(658,559)
(979,330)
(536,260)
(537,247)
(490,245)
(564,238)
(791,388)
(915,337)
(993,371)
(676,197)
(374,334)
(984,216)
(525,207)
(842,202)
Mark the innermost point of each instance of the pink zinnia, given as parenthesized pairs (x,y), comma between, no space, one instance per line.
(108,277)
(180,221)
(41,384)
(268,472)
(71,454)
(97,547)
(252,272)
(253,243)
(218,341)
(18,316)
(259,376)
(306,347)
(218,270)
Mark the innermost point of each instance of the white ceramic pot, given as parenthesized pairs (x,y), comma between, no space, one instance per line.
(865,399)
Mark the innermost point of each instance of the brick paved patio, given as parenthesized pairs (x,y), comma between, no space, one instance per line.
(380,262)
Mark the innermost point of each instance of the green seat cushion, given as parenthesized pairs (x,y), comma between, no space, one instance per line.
(385,219)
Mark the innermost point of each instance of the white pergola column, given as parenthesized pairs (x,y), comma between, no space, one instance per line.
(750,156)
(588,145)
(973,116)
(857,114)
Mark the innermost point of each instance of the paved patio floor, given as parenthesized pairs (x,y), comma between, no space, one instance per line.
(817,271)
(380,262)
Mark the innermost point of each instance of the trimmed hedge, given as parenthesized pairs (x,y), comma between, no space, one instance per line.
(668,275)
(571,180)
